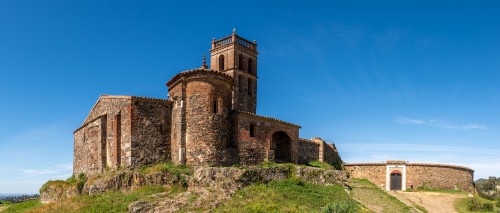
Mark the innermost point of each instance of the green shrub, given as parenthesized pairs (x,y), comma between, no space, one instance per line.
(23,206)
(319,164)
(498,202)
(475,205)
(341,207)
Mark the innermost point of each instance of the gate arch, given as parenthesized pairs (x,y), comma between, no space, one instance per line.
(281,143)
(396,180)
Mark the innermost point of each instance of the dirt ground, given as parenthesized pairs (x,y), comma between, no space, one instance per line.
(431,201)
(3,208)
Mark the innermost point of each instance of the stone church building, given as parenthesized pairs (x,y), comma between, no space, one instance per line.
(209,118)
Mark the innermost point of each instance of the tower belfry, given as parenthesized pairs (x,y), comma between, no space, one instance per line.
(237,57)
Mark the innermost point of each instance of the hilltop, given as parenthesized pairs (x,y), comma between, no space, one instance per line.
(164,187)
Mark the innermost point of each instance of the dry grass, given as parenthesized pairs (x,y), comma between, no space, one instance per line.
(375,198)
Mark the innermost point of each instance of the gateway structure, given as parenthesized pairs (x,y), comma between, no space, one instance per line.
(209,118)
(401,175)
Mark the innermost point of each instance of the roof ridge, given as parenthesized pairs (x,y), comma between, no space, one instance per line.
(266,117)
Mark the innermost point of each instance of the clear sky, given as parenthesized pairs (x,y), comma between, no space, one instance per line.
(406,80)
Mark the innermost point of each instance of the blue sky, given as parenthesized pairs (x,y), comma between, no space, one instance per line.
(415,81)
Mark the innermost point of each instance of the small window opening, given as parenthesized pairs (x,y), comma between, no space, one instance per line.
(250,87)
(221,62)
(252,130)
(240,62)
(215,106)
(240,82)
(250,66)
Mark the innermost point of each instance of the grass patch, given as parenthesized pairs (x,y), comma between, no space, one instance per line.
(167,167)
(287,196)
(114,201)
(475,204)
(319,164)
(430,189)
(22,207)
(374,197)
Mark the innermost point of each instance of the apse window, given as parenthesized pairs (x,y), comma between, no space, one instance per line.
(215,106)
(252,130)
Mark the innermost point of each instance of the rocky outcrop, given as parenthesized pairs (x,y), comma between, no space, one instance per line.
(54,191)
(211,186)
(127,181)
(205,187)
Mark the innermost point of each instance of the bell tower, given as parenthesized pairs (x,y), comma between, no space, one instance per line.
(237,57)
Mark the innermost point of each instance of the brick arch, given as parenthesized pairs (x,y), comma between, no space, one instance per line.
(280,144)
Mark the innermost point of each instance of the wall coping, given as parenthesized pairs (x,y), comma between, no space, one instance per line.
(184,74)
(85,124)
(411,164)
(266,118)
(127,97)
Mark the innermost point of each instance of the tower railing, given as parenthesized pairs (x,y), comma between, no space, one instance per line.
(234,38)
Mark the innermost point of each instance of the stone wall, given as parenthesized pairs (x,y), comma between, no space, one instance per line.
(151,122)
(439,176)
(114,128)
(375,172)
(331,155)
(317,149)
(257,148)
(309,151)
(89,147)
(178,128)
(204,113)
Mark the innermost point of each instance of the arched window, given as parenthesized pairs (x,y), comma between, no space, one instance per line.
(221,62)
(250,65)
(241,62)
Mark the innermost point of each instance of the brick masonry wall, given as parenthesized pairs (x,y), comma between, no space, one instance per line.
(253,150)
(201,121)
(107,107)
(177,143)
(151,120)
(438,176)
(207,132)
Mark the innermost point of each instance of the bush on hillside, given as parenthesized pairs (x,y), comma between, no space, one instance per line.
(341,207)
(475,205)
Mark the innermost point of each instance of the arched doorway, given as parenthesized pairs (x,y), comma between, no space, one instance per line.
(396,180)
(282,146)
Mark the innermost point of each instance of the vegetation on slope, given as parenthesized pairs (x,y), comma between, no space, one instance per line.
(105,202)
(476,204)
(488,188)
(290,196)
(375,198)
(22,207)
